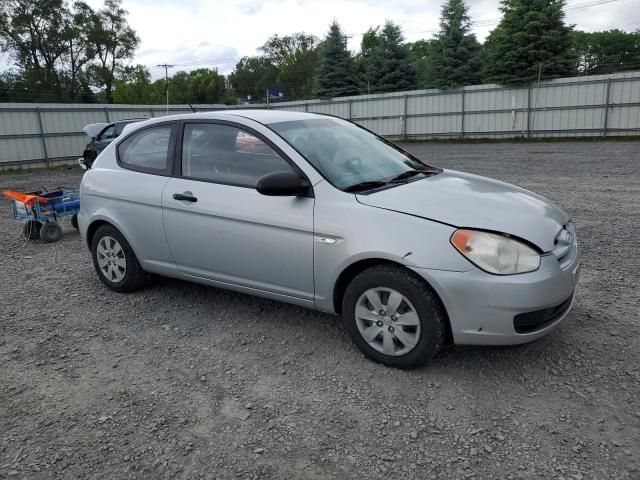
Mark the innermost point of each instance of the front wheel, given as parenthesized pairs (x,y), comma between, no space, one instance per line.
(114,260)
(394,317)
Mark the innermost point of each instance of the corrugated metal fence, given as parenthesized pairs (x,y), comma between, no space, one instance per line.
(580,106)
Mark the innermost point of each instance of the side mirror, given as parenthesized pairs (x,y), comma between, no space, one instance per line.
(282,184)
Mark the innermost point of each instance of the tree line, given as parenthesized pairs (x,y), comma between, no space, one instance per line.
(72,53)
(63,52)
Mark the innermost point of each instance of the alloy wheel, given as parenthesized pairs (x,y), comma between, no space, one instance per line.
(111,259)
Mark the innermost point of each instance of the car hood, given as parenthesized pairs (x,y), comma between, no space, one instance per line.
(93,129)
(465,200)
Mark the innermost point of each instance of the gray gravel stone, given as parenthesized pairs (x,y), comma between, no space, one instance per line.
(334,414)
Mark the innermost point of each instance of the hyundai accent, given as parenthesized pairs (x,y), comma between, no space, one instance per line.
(319,212)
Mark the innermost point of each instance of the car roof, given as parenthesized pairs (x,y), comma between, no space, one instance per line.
(130,120)
(259,115)
(271,116)
(262,116)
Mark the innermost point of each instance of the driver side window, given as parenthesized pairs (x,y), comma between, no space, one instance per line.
(228,155)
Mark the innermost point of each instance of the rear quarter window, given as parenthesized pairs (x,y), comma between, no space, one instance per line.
(149,149)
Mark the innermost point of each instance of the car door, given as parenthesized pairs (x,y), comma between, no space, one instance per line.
(220,228)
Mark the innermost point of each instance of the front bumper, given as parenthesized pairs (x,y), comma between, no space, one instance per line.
(482,307)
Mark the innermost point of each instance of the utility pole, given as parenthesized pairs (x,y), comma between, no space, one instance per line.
(166,67)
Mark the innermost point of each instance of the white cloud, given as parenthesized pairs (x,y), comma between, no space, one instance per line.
(216,33)
(224,30)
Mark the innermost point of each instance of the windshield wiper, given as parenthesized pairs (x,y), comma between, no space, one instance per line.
(406,175)
(398,179)
(362,186)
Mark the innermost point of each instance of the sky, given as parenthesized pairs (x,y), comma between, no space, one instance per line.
(217,33)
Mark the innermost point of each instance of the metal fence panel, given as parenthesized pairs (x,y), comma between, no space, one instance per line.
(25,149)
(70,146)
(18,122)
(295,108)
(621,118)
(600,105)
(58,121)
(624,92)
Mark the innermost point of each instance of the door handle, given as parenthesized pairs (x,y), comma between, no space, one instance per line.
(185,197)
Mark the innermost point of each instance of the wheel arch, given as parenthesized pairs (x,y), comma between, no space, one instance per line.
(93,228)
(355,268)
(97,223)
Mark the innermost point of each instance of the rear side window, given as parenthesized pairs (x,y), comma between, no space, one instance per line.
(229,155)
(148,149)
(108,133)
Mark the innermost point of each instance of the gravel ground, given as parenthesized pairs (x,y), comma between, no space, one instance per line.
(185,381)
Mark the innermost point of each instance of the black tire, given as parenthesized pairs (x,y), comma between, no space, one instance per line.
(31,229)
(74,222)
(50,232)
(431,314)
(89,157)
(134,276)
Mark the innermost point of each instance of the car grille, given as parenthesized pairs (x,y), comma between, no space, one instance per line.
(566,246)
(539,319)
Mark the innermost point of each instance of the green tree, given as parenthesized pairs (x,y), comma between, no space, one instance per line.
(370,40)
(295,56)
(252,76)
(113,42)
(32,32)
(78,55)
(133,86)
(336,72)
(7,86)
(531,36)
(389,67)
(278,49)
(198,86)
(294,75)
(422,61)
(455,53)
(606,52)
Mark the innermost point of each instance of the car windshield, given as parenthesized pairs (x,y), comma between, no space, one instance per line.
(349,156)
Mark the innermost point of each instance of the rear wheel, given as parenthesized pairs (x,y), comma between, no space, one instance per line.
(394,317)
(74,222)
(114,260)
(50,232)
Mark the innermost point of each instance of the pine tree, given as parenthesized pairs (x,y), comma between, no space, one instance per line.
(531,36)
(455,54)
(389,68)
(422,60)
(336,73)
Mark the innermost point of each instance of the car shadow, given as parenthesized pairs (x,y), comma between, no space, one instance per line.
(281,318)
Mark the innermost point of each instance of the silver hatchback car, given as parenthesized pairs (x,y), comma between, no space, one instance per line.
(319,212)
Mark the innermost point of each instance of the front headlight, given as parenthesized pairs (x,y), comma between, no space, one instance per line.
(495,253)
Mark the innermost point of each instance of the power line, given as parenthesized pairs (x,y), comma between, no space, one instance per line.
(592,3)
(166,79)
(575,6)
